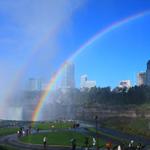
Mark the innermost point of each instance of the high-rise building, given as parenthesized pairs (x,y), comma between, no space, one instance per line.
(68,80)
(148,73)
(85,83)
(34,84)
(141,78)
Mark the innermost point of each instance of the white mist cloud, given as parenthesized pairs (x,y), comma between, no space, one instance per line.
(31,23)
(36,23)
(39,16)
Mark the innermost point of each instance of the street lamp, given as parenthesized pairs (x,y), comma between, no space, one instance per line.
(96,121)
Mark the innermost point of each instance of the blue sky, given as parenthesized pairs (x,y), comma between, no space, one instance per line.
(43,34)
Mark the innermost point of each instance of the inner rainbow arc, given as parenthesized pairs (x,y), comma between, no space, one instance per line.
(97,36)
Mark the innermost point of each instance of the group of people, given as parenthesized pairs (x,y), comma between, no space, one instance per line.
(108,146)
(86,143)
(131,146)
(23,132)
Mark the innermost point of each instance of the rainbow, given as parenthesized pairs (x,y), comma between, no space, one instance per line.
(97,36)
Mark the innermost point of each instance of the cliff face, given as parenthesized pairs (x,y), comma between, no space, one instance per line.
(59,111)
(130,111)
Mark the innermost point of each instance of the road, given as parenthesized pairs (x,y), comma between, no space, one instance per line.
(13,141)
(120,135)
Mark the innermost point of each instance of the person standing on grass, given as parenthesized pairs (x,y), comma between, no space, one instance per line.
(86,143)
(44,141)
(94,142)
(73,141)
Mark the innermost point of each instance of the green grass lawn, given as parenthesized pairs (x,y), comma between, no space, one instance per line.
(108,135)
(7,131)
(137,126)
(50,125)
(58,138)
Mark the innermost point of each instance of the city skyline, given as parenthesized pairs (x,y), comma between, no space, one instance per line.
(31,48)
(68,79)
(75,74)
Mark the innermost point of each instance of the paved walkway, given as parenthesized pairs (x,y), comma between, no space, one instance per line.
(13,141)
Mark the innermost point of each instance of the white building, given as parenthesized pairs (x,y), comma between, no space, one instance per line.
(141,78)
(68,79)
(125,84)
(85,83)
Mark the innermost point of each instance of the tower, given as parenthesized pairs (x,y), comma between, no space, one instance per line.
(34,84)
(141,78)
(68,80)
(148,73)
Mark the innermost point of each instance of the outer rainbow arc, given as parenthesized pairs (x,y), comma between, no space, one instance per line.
(25,66)
(106,30)
(98,35)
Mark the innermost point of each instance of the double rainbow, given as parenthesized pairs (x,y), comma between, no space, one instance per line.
(83,47)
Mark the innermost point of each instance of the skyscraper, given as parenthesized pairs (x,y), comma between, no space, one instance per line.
(148,73)
(68,80)
(34,84)
(141,78)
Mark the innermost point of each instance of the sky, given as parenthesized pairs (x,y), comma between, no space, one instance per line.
(36,37)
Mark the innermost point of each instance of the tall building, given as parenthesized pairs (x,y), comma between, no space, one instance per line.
(34,84)
(141,78)
(68,80)
(85,83)
(148,73)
